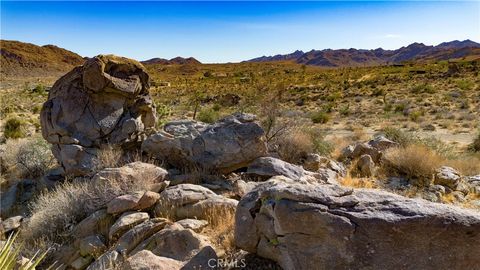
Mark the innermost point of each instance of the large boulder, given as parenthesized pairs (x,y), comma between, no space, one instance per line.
(312,226)
(104,102)
(224,146)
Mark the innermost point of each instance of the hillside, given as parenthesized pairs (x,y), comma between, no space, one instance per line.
(19,59)
(358,57)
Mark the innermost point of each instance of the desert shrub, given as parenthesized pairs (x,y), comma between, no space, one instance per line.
(475,146)
(399,136)
(467,164)
(39,89)
(294,146)
(465,84)
(378,92)
(34,158)
(345,110)
(320,117)
(15,128)
(408,138)
(27,158)
(55,213)
(320,145)
(208,115)
(163,112)
(358,182)
(423,88)
(417,162)
(400,107)
(415,115)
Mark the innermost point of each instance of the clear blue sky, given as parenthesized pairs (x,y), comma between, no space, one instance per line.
(235,31)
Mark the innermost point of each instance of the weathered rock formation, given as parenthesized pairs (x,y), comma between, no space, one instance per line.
(311,226)
(224,146)
(105,101)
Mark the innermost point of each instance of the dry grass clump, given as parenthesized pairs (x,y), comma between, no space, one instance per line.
(467,164)
(55,213)
(417,162)
(355,182)
(221,228)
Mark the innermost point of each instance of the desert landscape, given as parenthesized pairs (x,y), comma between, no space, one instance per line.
(325,159)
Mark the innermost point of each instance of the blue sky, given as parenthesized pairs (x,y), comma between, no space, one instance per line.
(235,31)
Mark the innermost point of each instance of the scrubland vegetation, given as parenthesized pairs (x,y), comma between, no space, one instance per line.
(433,116)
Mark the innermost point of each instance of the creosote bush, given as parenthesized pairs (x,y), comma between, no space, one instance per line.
(294,145)
(208,115)
(320,117)
(15,128)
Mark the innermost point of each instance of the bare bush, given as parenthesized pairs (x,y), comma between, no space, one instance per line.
(26,158)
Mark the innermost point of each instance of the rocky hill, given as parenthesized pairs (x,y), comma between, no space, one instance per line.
(174,61)
(357,57)
(19,59)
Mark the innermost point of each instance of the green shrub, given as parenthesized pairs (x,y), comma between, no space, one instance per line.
(39,89)
(208,115)
(345,110)
(15,128)
(378,92)
(465,84)
(163,112)
(320,146)
(415,116)
(400,107)
(320,117)
(423,88)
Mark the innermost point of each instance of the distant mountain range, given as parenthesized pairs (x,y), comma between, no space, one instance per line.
(358,57)
(174,61)
(19,59)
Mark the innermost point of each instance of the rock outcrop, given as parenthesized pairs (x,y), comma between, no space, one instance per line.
(224,146)
(266,167)
(104,102)
(311,226)
(136,237)
(374,148)
(192,201)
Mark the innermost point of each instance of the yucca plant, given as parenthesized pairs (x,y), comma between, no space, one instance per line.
(9,254)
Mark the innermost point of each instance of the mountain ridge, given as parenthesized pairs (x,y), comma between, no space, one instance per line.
(379,56)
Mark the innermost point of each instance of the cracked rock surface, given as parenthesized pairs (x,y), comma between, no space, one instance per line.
(104,102)
(310,226)
(225,146)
